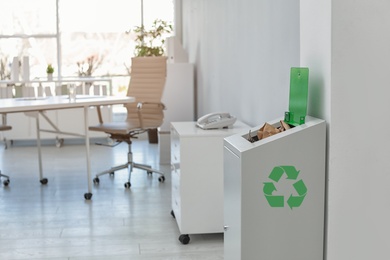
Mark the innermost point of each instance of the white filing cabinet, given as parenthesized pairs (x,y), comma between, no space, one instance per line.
(197,177)
(275,194)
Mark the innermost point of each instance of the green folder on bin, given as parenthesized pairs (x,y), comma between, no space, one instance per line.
(299,85)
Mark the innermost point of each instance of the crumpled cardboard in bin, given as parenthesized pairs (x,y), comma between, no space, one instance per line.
(268,130)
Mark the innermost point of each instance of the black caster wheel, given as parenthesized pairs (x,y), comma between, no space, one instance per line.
(127,185)
(111,173)
(44,181)
(184,239)
(88,196)
(6,182)
(96,180)
(161,179)
(173,214)
(149,172)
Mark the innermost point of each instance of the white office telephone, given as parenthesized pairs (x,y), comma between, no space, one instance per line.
(216,120)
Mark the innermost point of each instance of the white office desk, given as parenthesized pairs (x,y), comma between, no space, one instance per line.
(37,106)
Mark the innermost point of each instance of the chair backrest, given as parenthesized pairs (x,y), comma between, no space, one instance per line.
(147,82)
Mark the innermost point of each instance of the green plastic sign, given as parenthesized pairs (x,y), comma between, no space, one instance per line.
(278,201)
(299,84)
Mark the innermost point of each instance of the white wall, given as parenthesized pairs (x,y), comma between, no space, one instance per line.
(346,43)
(243,51)
(315,50)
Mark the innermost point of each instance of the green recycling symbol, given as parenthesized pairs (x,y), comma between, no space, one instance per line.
(293,201)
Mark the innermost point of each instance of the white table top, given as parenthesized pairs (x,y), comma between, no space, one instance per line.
(13,105)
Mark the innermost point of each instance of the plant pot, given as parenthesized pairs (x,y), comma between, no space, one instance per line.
(50,77)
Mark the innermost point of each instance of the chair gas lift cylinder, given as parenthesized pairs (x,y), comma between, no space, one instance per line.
(274,188)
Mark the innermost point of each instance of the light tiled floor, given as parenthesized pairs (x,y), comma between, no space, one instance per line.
(54,221)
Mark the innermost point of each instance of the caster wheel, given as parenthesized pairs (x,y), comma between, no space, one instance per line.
(127,185)
(96,180)
(149,172)
(44,181)
(111,173)
(161,179)
(6,182)
(88,196)
(173,214)
(184,239)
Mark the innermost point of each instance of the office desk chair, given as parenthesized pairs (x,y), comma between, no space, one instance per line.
(4,127)
(148,75)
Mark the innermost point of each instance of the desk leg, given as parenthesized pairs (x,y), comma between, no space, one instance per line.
(42,180)
(87,195)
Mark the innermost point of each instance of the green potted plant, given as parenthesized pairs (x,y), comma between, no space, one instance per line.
(49,71)
(151,42)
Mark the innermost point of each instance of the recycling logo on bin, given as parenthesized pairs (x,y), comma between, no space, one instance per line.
(272,195)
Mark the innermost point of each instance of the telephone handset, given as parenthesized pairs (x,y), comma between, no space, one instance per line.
(216,120)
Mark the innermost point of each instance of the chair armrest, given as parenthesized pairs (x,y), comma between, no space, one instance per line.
(141,104)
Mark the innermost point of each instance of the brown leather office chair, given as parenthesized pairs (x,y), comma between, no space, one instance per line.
(4,127)
(148,75)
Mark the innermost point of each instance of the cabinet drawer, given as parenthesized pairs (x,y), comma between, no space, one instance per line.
(175,138)
(175,153)
(175,158)
(175,179)
(176,199)
(177,211)
(175,141)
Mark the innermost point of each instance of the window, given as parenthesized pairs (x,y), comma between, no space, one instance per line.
(87,37)
(93,37)
(28,28)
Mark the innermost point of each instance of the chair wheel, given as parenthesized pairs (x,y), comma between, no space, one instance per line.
(127,185)
(161,179)
(149,172)
(44,181)
(184,239)
(111,173)
(6,182)
(88,196)
(96,180)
